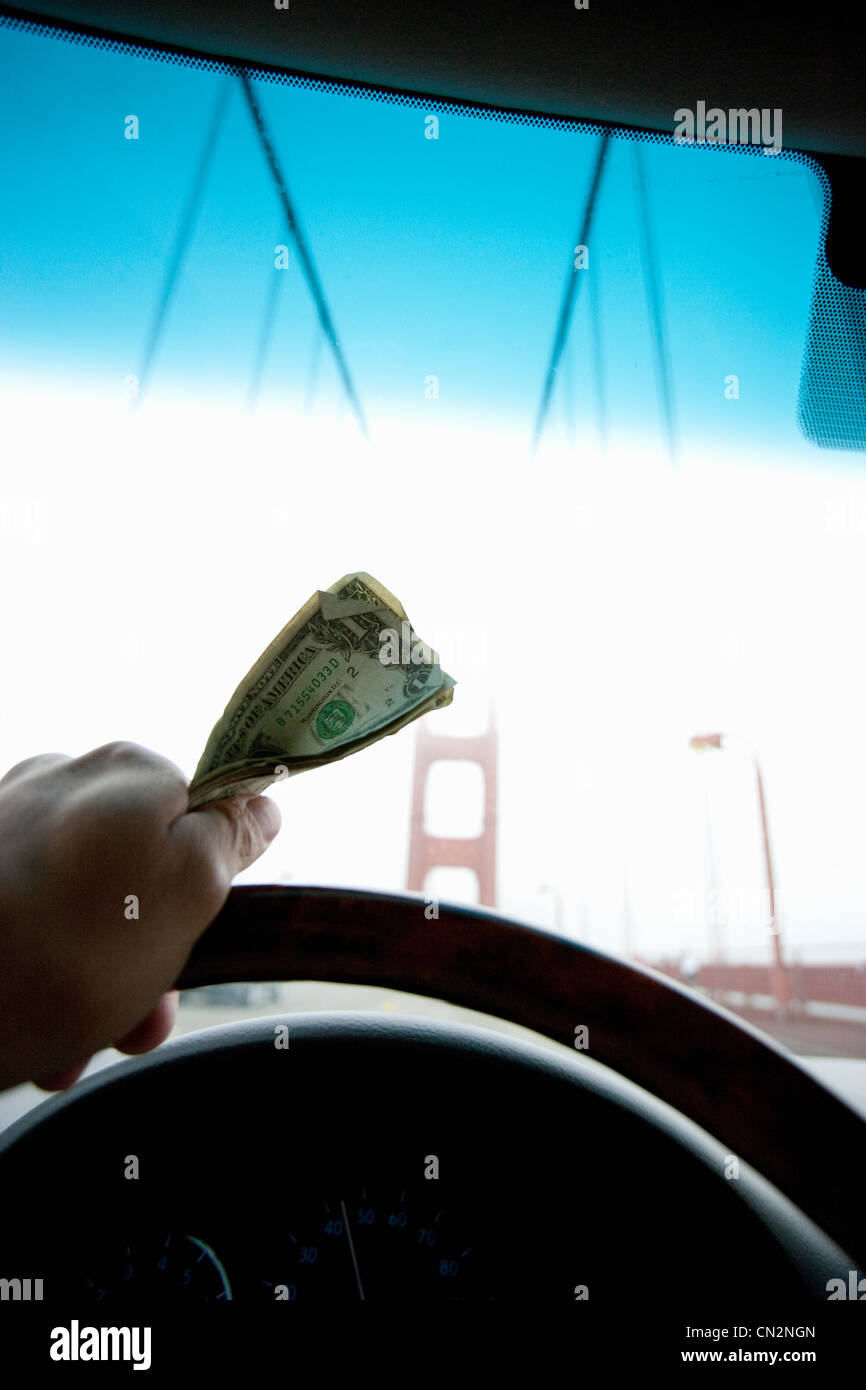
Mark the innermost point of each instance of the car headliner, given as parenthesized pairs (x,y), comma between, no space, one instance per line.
(621,62)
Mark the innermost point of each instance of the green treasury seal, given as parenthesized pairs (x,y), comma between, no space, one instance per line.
(334,718)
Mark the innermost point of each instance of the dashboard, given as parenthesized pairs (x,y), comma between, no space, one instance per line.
(343,1157)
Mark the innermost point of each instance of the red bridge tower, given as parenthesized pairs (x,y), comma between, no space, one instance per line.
(477,852)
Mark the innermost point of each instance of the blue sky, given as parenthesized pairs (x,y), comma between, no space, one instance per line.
(443,257)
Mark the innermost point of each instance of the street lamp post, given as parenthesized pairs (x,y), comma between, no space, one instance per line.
(701,742)
(557,906)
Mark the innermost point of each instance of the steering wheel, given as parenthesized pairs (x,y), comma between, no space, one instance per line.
(760,1108)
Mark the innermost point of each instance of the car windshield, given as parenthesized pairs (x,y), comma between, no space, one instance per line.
(539,379)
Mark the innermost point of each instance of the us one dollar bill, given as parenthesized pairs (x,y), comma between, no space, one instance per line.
(345,671)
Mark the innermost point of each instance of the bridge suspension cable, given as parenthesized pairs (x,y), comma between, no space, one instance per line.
(656,308)
(305,255)
(569,296)
(184,232)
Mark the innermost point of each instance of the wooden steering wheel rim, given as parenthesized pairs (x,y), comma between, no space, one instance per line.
(708,1064)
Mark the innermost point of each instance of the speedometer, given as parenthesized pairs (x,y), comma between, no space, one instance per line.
(373,1241)
(366,1241)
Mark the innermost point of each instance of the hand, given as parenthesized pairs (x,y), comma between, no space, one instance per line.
(106,883)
